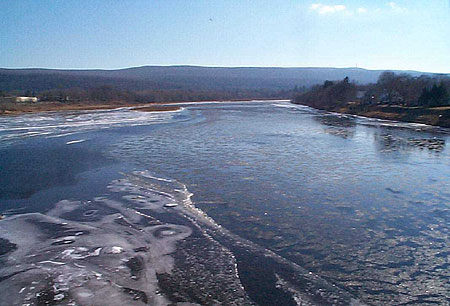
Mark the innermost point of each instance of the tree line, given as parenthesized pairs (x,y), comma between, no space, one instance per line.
(391,89)
(111,94)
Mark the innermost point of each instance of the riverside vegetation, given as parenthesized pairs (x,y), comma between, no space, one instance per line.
(401,97)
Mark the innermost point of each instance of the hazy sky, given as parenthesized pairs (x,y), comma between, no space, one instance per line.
(405,34)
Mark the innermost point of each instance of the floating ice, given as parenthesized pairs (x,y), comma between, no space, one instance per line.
(75,141)
(85,263)
(61,124)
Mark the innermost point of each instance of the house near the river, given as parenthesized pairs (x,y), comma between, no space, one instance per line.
(26,99)
(22,99)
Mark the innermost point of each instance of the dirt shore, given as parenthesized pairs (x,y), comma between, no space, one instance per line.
(438,116)
(157,108)
(24,108)
(18,109)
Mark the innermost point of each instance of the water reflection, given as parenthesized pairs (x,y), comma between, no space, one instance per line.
(338,125)
(331,204)
(388,142)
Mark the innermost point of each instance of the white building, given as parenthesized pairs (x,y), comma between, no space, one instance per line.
(27,99)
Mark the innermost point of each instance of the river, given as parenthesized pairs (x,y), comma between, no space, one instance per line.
(239,203)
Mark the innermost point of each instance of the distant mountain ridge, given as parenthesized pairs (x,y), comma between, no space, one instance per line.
(183,78)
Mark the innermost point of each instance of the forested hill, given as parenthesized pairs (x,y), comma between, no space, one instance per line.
(181,78)
(171,83)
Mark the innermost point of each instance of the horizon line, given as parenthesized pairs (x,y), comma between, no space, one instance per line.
(220,66)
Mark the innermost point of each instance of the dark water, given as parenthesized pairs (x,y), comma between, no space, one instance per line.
(313,208)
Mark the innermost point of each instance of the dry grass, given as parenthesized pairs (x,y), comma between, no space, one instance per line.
(441,108)
(157,108)
(23,108)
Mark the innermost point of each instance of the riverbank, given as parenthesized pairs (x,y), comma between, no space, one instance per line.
(157,108)
(437,116)
(25,108)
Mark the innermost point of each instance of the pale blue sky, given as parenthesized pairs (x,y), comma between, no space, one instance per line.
(108,34)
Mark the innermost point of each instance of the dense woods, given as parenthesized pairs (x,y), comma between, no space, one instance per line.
(112,86)
(188,83)
(401,97)
(330,93)
(58,99)
(390,89)
(108,93)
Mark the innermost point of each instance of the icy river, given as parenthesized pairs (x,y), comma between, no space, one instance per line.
(240,203)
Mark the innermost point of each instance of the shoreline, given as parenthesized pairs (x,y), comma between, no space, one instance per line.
(438,116)
(157,108)
(20,109)
(13,109)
